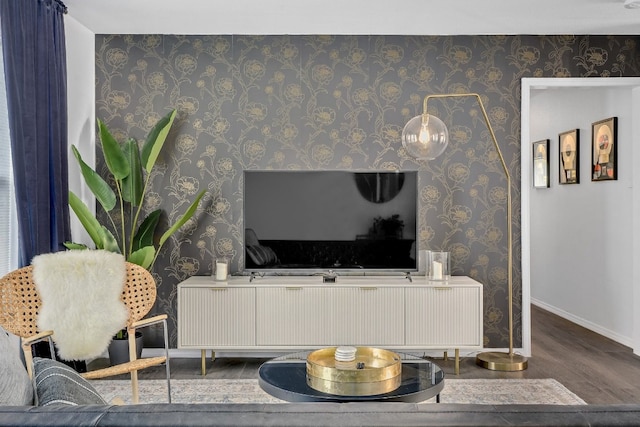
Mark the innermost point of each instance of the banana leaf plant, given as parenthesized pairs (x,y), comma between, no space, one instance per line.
(127,165)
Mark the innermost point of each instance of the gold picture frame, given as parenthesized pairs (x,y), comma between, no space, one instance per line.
(604,150)
(541,164)
(569,156)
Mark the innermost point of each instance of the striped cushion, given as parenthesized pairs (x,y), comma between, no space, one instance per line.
(261,255)
(58,384)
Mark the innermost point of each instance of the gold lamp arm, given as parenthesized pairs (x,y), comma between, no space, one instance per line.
(496,360)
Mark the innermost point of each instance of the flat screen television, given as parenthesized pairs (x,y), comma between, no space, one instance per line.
(306,222)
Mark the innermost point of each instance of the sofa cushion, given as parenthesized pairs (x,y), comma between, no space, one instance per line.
(58,384)
(15,386)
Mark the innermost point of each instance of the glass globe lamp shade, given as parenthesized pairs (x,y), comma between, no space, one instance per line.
(425,137)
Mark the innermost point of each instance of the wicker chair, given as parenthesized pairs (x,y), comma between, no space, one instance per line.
(20,304)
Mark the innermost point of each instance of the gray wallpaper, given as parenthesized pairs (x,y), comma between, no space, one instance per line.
(339,102)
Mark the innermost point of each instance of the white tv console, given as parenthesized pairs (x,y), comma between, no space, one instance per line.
(292,313)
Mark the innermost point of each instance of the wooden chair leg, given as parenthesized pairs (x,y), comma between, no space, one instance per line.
(28,358)
(133,356)
(134,387)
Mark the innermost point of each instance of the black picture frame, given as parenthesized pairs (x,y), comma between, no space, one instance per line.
(541,164)
(604,150)
(569,157)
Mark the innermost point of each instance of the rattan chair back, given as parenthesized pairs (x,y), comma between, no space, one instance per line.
(139,293)
(20,302)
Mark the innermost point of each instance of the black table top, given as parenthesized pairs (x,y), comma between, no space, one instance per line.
(286,378)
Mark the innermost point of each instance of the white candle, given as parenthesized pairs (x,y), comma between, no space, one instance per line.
(221,270)
(436,270)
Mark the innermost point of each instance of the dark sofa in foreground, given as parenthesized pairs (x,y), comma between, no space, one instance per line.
(322,414)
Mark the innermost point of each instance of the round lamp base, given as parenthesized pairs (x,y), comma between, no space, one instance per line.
(497,361)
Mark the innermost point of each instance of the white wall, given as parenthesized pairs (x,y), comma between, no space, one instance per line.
(80,44)
(580,236)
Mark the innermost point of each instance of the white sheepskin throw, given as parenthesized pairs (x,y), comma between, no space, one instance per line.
(80,292)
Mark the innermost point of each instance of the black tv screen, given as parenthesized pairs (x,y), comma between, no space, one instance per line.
(314,221)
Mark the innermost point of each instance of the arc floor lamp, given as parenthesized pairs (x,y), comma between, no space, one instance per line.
(425,137)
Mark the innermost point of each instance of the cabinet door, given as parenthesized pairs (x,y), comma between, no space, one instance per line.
(368,316)
(292,316)
(444,317)
(216,317)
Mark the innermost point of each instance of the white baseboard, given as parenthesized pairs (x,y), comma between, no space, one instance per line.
(584,323)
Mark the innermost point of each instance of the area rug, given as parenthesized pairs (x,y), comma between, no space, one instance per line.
(478,391)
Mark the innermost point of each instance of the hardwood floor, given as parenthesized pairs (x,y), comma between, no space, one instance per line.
(595,368)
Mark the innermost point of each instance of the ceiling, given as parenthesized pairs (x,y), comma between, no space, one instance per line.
(407,17)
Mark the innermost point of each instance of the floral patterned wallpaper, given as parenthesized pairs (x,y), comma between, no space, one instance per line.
(339,102)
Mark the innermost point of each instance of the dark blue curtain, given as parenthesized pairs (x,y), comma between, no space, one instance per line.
(36,77)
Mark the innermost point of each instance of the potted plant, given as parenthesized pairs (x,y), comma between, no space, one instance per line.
(127,166)
(119,347)
(130,171)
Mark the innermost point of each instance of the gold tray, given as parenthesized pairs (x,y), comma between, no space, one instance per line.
(379,373)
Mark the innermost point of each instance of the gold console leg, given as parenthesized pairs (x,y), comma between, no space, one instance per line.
(457,367)
(203,360)
(445,357)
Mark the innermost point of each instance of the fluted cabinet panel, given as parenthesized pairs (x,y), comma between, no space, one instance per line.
(216,317)
(330,316)
(290,316)
(368,316)
(444,316)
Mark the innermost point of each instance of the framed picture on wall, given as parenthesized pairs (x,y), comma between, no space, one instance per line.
(604,150)
(541,164)
(569,156)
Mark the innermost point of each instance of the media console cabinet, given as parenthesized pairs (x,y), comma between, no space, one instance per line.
(293,313)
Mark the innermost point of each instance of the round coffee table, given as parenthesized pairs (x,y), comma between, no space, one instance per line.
(285,377)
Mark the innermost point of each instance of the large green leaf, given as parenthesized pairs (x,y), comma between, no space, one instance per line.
(143,257)
(155,140)
(75,246)
(98,186)
(115,159)
(132,184)
(144,235)
(182,220)
(88,221)
(109,242)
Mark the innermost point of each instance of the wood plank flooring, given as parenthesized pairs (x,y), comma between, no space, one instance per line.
(595,368)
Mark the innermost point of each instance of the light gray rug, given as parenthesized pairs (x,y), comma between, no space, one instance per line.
(479,391)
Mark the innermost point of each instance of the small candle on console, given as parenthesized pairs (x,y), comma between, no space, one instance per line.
(436,270)
(221,270)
